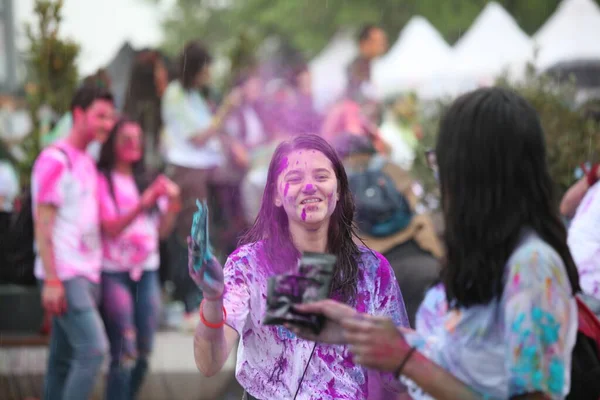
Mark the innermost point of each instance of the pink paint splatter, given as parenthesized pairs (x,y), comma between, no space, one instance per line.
(303,216)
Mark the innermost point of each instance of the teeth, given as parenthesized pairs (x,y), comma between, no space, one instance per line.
(311,201)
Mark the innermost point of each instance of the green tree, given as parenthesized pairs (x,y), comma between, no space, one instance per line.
(52,73)
(309,24)
(571,139)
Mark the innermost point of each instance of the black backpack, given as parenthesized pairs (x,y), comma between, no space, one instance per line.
(19,257)
(585,362)
(381,210)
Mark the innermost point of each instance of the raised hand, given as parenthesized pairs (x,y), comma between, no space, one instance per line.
(203,267)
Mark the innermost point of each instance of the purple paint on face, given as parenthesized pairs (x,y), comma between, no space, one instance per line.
(309,187)
(303,216)
(285,190)
(283,165)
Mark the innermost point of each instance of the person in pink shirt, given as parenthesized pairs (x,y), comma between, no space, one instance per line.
(69,254)
(134,215)
(306,207)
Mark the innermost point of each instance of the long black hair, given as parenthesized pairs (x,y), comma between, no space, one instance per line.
(107,160)
(495,182)
(271,224)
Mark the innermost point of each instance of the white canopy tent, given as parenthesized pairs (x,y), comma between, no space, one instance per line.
(418,54)
(329,69)
(571,33)
(494,44)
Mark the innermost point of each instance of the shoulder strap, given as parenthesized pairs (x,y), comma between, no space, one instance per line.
(64,152)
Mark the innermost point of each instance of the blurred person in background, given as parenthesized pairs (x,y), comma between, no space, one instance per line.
(249,121)
(300,115)
(147,83)
(372,43)
(67,233)
(135,213)
(412,247)
(193,150)
(63,126)
(9,190)
(9,180)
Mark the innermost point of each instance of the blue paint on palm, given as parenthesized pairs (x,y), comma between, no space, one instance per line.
(199,234)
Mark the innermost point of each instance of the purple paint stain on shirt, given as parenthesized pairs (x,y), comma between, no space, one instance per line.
(362,300)
(303,216)
(285,190)
(328,358)
(247,334)
(383,274)
(331,389)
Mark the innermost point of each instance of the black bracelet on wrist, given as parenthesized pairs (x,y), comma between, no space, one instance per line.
(403,363)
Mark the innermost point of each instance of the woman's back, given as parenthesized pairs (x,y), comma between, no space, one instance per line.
(499,349)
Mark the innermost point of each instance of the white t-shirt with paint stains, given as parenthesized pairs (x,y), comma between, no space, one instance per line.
(584,241)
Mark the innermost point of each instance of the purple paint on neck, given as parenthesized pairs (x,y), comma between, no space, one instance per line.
(303,216)
(285,190)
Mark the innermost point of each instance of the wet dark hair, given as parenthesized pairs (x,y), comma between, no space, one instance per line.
(271,224)
(192,60)
(365,32)
(495,182)
(89,92)
(108,159)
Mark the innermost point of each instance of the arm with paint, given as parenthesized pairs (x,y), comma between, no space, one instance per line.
(167,219)
(213,340)
(113,223)
(48,180)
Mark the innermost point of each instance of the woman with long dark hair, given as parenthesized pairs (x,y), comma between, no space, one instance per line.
(503,321)
(306,207)
(134,214)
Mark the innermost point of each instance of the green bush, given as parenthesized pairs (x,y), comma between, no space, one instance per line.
(51,75)
(571,139)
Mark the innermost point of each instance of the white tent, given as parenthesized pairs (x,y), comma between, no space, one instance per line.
(493,44)
(329,69)
(571,33)
(419,53)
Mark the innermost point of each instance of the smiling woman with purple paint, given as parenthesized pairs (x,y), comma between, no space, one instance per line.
(306,207)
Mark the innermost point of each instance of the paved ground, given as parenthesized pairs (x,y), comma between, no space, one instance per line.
(173,373)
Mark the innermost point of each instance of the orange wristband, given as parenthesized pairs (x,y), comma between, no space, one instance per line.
(53,282)
(210,324)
